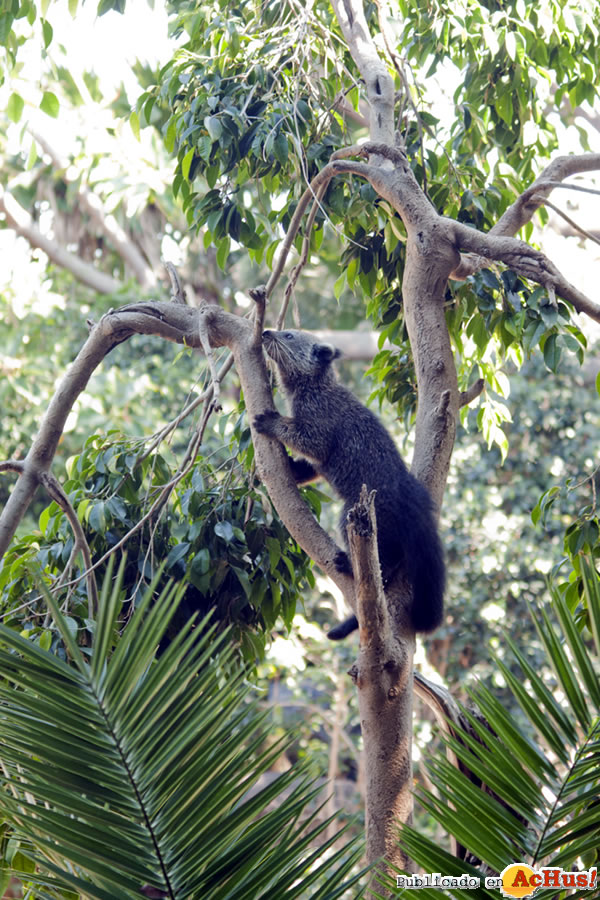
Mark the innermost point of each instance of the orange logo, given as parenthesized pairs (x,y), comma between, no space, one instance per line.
(519,880)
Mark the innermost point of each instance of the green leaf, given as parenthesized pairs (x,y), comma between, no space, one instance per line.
(201,561)
(46,640)
(176,553)
(214,127)
(511,45)
(186,163)
(224,530)
(504,104)
(170,135)
(211,174)
(280,148)
(14,107)
(49,104)
(47,32)
(134,121)
(223,253)
(549,314)
(97,517)
(204,147)
(552,352)
(32,158)
(339,286)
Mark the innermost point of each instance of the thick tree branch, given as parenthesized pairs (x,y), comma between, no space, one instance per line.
(380,86)
(383,676)
(21,222)
(524,260)
(521,211)
(179,323)
(106,223)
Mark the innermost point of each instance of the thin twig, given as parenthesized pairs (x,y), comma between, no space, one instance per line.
(188,461)
(323,177)
(567,218)
(471,393)
(295,273)
(208,350)
(57,493)
(567,186)
(158,503)
(259,295)
(188,410)
(177,291)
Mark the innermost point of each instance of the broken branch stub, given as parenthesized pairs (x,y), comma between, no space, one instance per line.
(371,606)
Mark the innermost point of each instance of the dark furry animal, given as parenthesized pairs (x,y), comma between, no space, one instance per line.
(345,443)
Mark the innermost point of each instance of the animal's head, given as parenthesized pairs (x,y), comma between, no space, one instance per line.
(299,354)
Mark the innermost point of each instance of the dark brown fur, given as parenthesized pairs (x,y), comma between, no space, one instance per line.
(344,442)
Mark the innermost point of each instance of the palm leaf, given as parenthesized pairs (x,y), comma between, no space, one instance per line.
(542,782)
(122,771)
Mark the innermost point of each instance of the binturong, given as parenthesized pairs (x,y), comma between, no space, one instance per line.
(342,441)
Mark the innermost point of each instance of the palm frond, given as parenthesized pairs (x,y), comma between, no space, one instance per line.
(123,771)
(541,781)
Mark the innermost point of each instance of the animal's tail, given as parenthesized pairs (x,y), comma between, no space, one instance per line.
(428,578)
(343,629)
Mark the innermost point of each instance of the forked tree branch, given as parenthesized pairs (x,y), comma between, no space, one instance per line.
(383,675)
(526,261)
(178,323)
(521,211)
(81,545)
(523,208)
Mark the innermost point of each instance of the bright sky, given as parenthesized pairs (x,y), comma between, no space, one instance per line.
(106,46)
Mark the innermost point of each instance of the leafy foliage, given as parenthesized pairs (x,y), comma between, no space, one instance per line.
(217,535)
(541,799)
(246,108)
(250,108)
(133,772)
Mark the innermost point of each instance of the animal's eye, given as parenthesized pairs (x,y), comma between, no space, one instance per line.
(289,336)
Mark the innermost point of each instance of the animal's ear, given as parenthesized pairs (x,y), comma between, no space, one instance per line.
(326,353)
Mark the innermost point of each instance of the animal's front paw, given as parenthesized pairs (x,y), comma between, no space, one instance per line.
(342,563)
(265,421)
